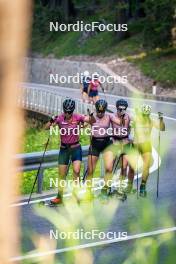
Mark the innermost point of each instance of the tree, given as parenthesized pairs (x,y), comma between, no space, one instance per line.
(159,21)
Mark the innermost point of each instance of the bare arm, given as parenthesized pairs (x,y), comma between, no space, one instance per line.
(90,119)
(50,123)
(115,120)
(89,89)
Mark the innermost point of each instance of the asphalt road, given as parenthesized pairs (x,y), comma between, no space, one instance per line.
(134,216)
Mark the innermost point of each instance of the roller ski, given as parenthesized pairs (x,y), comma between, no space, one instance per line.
(129,189)
(55,202)
(119,192)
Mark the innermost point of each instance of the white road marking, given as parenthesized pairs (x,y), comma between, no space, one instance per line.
(93,244)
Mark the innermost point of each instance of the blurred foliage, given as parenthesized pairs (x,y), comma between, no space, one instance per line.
(159,21)
(144,217)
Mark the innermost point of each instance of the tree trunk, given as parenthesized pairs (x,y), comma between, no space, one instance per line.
(14,26)
(65,6)
(121,19)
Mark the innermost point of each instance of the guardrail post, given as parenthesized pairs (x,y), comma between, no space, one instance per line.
(40,181)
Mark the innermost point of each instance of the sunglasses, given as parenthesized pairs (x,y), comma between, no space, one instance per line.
(121,109)
(100,112)
(68,112)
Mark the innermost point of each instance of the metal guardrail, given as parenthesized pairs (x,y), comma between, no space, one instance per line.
(42,100)
(31,162)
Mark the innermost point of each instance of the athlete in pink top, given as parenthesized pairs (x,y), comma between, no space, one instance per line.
(93,89)
(70,149)
(100,142)
(101,128)
(122,141)
(122,131)
(69,128)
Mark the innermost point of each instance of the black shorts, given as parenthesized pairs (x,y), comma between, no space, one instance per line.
(99,145)
(143,148)
(69,153)
(85,90)
(93,93)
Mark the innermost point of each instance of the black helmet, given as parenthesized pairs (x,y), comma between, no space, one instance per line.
(69,105)
(121,102)
(101,105)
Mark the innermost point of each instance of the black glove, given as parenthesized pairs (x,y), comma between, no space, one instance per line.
(160,115)
(52,119)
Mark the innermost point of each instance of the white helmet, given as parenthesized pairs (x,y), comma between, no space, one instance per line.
(86,73)
(146,109)
(95,76)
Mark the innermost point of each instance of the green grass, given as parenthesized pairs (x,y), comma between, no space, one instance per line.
(104,43)
(159,65)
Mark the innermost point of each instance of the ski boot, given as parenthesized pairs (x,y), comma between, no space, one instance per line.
(143,192)
(56,201)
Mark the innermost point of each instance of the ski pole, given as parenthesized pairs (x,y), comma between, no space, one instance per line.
(137,174)
(86,171)
(115,165)
(159,140)
(158,173)
(38,170)
(88,110)
(137,171)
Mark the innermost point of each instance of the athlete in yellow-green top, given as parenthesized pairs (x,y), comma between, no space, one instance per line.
(142,126)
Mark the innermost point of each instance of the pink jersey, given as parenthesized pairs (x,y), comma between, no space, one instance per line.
(69,129)
(121,131)
(101,126)
(94,85)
